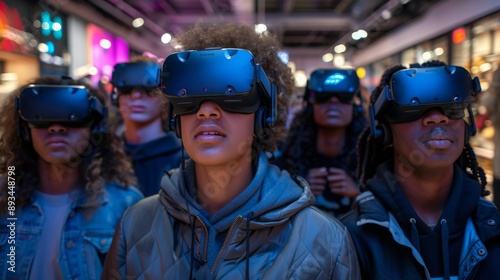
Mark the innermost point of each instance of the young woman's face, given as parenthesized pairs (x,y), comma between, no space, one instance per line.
(333,113)
(59,144)
(140,106)
(213,136)
(433,141)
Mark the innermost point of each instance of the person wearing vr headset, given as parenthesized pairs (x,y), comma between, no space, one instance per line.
(152,148)
(423,214)
(64,182)
(227,213)
(321,143)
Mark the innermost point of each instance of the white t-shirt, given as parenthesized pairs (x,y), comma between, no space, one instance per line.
(55,208)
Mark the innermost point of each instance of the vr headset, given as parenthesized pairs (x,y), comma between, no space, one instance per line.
(411,92)
(228,77)
(414,91)
(326,83)
(70,105)
(129,75)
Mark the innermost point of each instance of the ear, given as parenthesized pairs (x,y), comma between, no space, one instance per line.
(386,137)
(114,97)
(260,123)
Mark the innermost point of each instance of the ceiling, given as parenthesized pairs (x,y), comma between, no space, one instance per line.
(304,26)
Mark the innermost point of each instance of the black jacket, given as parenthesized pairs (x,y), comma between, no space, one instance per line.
(387,250)
(152,159)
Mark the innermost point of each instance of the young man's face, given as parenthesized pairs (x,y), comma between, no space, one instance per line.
(332,113)
(433,141)
(60,144)
(140,106)
(212,136)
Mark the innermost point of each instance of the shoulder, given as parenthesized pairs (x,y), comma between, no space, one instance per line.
(487,219)
(145,209)
(367,209)
(127,194)
(144,215)
(147,204)
(315,221)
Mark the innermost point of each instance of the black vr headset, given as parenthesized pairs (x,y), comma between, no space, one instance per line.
(69,105)
(230,77)
(127,76)
(413,91)
(326,83)
(144,74)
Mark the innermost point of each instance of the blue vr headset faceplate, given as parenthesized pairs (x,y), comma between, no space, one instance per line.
(325,83)
(414,91)
(229,77)
(41,105)
(143,74)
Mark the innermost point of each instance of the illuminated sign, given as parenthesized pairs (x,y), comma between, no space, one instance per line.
(459,35)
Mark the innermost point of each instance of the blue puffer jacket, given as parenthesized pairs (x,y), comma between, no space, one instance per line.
(85,239)
(269,231)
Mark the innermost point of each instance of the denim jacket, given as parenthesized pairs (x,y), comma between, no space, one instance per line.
(85,239)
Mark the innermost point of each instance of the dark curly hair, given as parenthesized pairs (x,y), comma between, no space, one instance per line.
(264,48)
(299,148)
(370,154)
(107,164)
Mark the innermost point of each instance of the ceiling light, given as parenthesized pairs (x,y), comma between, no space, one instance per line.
(340,48)
(360,34)
(438,51)
(284,57)
(260,28)
(300,78)
(56,26)
(138,22)
(386,14)
(327,57)
(105,44)
(339,60)
(166,38)
(427,55)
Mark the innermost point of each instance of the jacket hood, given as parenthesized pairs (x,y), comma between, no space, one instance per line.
(271,198)
(164,145)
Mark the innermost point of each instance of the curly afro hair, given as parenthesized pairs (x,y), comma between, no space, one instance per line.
(264,48)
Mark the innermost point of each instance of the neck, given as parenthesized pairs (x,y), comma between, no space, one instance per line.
(136,133)
(57,178)
(426,190)
(330,142)
(218,185)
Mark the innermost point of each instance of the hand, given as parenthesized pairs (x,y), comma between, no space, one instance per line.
(316,178)
(340,183)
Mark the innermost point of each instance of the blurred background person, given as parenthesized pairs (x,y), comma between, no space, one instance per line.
(321,142)
(143,108)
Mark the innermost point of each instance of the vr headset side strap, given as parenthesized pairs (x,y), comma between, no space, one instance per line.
(377,108)
(268,91)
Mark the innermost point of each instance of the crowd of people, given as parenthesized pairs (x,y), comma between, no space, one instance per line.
(199,176)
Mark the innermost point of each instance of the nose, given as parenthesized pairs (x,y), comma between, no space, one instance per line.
(333,99)
(136,94)
(57,128)
(435,116)
(208,109)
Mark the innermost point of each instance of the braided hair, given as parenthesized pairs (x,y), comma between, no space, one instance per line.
(370,154)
